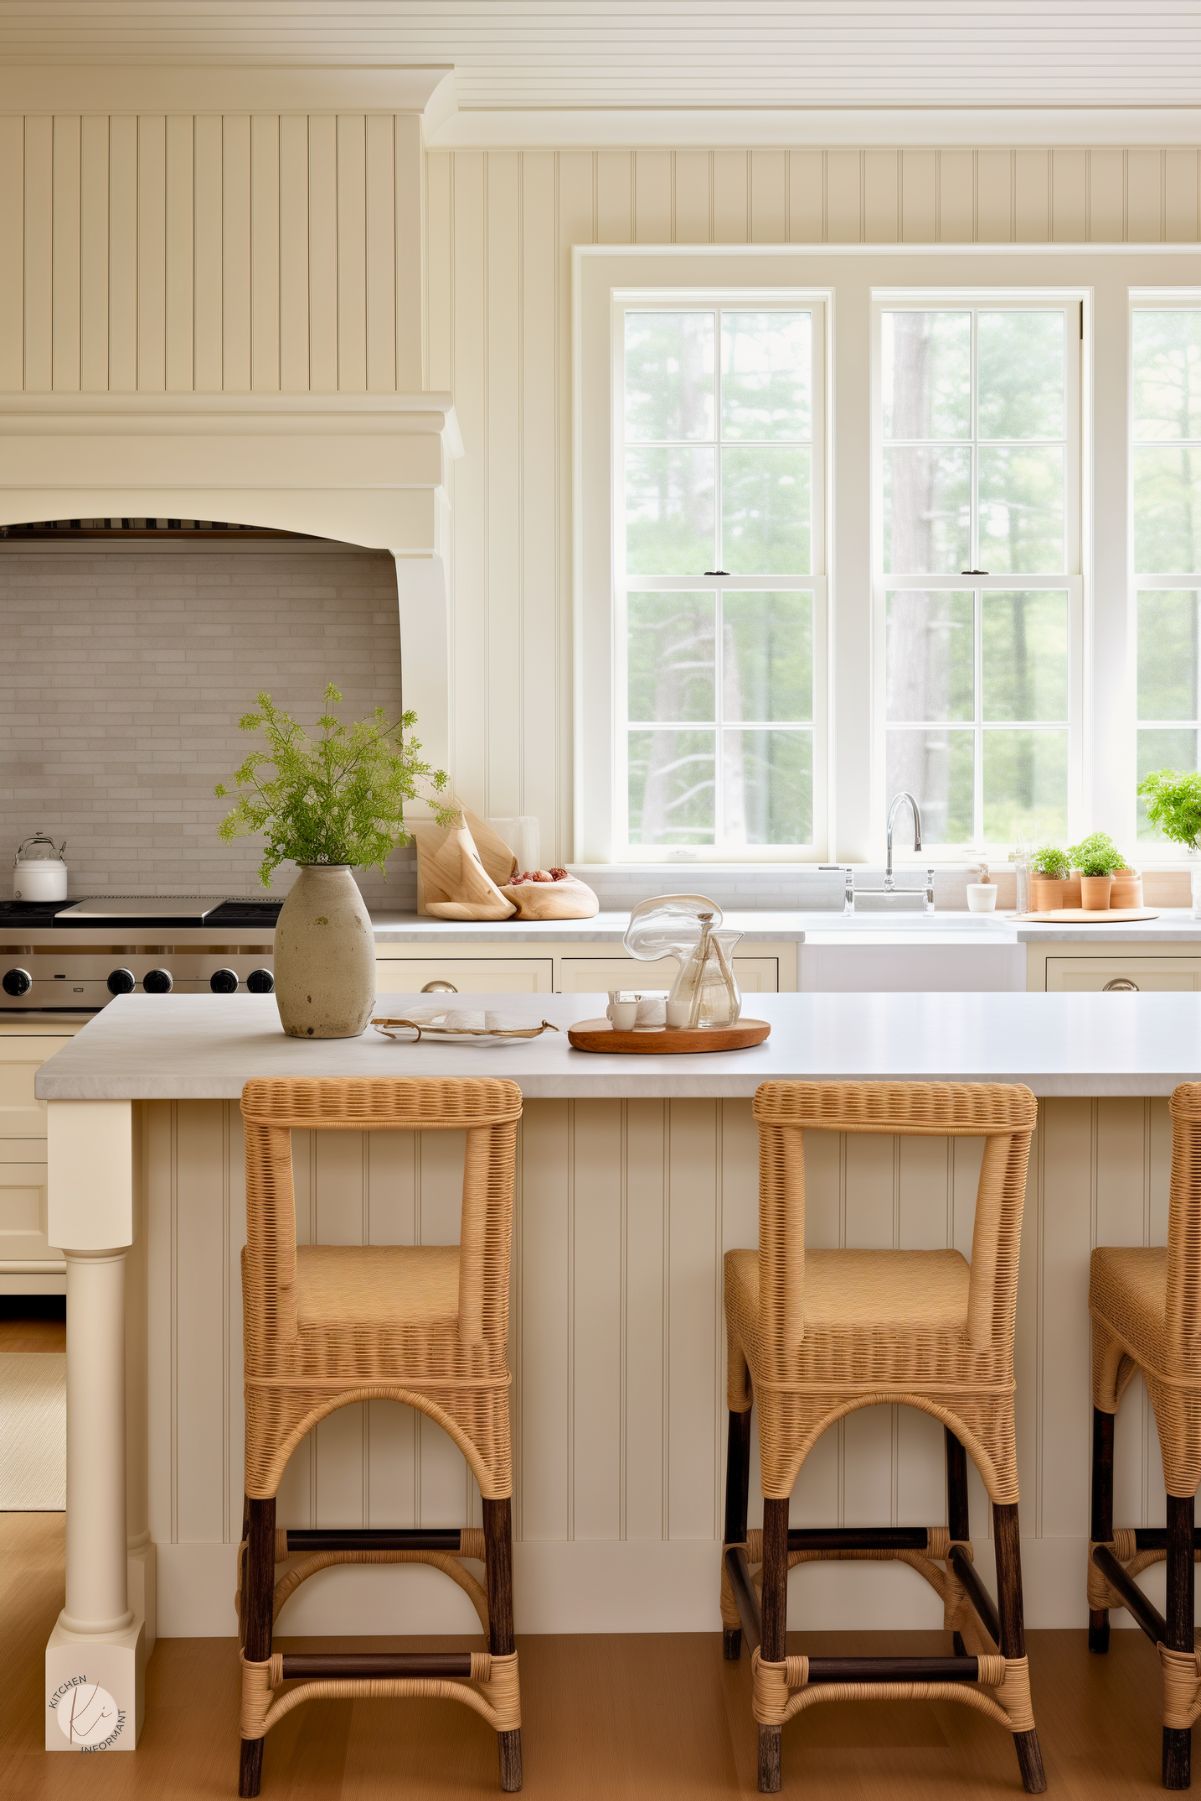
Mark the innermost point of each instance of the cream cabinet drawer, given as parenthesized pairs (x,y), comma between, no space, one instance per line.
(23,1204)
(1152,975)
(21,1056)
(593,975)
(479,975)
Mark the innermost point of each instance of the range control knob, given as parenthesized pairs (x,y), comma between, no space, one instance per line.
(158,981)
(261,981)
(224,981)
(16,982)
(122,981)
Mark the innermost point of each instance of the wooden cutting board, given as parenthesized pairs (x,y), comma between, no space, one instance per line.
(660,1041)
(1089,916)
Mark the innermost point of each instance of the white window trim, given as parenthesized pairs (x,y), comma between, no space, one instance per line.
(1108,276)
(1070,578)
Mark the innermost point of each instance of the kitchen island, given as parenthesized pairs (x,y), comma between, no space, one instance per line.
(634,1175)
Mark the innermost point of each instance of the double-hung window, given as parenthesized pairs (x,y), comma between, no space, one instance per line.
(1165,469)
(977,565)
(718,561)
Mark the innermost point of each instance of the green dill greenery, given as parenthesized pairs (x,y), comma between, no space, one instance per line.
(1173,798)
(334,798)
(1051,862)
(1096,855)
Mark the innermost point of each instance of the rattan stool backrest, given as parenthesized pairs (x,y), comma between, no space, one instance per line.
(1183,1321)
(1004,1116)
(485,1109)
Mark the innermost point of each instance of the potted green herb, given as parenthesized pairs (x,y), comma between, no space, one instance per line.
(1096,858)
(330,803)
(1051,886)
(1173,798)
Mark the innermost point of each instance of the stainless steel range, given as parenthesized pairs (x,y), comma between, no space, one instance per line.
(76,956)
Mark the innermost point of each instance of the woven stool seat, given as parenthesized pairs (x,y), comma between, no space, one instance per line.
(1145,1304)
(423,1325)
(814,1334)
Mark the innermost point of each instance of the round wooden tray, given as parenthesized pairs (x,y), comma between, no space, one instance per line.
(1089,916)
(659,1041)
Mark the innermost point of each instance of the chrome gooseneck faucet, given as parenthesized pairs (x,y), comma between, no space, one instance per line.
(897,801)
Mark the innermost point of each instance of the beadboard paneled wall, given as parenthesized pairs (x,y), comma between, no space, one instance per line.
(500,226)
(208,252)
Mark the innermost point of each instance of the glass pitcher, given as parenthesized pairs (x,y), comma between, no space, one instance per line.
(689,928)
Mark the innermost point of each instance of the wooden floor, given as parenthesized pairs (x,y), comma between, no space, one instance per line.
(637,1718)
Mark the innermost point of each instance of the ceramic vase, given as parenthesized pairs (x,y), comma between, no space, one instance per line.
(1095,891)
(324,955)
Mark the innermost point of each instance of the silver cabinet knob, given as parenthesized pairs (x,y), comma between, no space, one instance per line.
(1120,984)
(439,987)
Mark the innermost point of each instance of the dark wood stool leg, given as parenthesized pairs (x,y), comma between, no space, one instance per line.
(1013,1631)
(498,1565)
(738,1478)
(258,1593)
(1101,1522)
(1178,1743)
(957,1516)
(773,1638)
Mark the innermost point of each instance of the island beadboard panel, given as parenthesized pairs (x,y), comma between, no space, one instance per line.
(624,1210)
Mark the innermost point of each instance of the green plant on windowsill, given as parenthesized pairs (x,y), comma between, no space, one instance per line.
(1173,798)
(1096,855)
(1051,863)
(335,798)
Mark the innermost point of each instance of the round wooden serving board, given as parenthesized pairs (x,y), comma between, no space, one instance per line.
(1089,916)
(659,1041)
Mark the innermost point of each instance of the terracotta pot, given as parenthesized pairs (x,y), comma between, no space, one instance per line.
(324,955)
(1127,890)
(1094,892)
(1048,893)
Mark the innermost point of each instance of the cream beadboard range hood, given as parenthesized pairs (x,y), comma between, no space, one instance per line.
(363,469)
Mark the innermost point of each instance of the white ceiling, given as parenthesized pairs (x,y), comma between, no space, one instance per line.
(651,54)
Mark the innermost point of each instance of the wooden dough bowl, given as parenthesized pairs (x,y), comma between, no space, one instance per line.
(661,1041)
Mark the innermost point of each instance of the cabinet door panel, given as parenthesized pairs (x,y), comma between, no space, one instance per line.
(593,975)
(1152,975)
(470,975)
(23,1208)
(21,1056)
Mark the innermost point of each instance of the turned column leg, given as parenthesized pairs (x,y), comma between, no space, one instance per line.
(97,1648)
(258,1620)
(773,1636)
(957,1509)
(498,1567)
(738,1478)
(1101,1516)
(1013,1631)
(1178,1742)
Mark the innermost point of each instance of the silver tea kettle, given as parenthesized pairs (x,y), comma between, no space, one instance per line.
(39,871)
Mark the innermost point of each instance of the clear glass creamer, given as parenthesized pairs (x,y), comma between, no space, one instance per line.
(688,927)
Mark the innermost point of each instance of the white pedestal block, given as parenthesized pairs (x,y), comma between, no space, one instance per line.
(94,1689)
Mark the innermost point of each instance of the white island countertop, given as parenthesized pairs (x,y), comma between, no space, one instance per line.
(204,1047)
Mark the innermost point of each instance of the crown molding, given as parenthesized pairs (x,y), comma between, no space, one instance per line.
(708,128)
(216,88)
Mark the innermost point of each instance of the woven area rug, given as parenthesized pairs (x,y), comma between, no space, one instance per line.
(33,1431)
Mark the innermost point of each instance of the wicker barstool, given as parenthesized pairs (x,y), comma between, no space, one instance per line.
(426,1325)
(813,1335)
(1146,1314)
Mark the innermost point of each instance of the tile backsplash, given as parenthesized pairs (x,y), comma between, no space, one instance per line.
(125,671)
